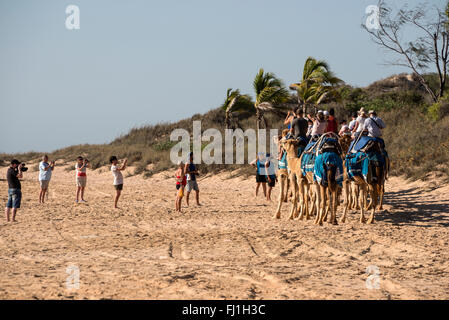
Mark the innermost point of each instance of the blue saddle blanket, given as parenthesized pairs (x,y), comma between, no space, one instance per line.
(328,161)
(357,164)
(363,141)
(307,163)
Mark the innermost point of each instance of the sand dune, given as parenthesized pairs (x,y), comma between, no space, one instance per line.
(229,248)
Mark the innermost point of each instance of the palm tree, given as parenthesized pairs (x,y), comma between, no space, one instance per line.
(317,83)
(270,92)
(236,103)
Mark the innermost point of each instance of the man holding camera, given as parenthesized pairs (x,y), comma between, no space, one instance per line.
(15,172)
(45,171)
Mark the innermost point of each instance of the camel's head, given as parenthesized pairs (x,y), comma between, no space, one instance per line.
(291,146)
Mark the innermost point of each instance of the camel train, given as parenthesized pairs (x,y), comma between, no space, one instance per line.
(329,166)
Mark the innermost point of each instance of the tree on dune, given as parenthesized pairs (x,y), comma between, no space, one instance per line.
(270,94)
(317,83)
(234,104)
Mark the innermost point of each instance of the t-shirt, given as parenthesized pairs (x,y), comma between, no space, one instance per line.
(13,181)
(374,126)
(361,121)
(80,172)
(299,126)
(44,175)
(319,127)
(352,124)
(332,125)
(118,177)
(191,176)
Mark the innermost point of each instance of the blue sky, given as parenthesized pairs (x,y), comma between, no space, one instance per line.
(142,62)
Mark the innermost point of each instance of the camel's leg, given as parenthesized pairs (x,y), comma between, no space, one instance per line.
(334,203)
(312,197)
(347,200)
(294,188)
(382,193)
(362,200)
(327,204)
(323,201)
(300,198)
(287,189)
(306,199)
(281,197)
(317,202)
(373,194)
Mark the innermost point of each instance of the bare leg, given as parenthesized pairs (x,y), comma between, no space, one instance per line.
(257,188)
(264,187)
(117,196)
(269,193)
(78,190)
(187,197)
(7,211)
(14,211)
(82,193)
(197,197)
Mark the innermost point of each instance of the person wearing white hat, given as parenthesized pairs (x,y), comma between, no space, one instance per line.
(374,125)
(319,124)
(360,123)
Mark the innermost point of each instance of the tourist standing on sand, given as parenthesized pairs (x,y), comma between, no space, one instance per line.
(45,171)
(181,182)
(191,172)
(13,175)
(261,175)
(81,178)
(271,176)
(118,177)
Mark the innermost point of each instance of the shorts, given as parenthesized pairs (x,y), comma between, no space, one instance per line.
(272,183)
(14,198)
(261,178)
(118,186)
(81,181)
(44,184)
(192,185)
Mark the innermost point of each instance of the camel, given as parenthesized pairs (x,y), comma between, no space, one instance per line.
(296,181)
(373,183)
(326,151)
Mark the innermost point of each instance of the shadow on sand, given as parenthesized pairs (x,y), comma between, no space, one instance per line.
(411,206)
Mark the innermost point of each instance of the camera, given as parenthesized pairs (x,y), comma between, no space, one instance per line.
(24,168)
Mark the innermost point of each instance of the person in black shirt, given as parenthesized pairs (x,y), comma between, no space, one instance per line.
(15,189)
(299,125)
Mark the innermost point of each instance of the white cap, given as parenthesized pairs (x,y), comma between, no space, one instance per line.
(326,113)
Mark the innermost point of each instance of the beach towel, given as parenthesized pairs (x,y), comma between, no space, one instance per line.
(328,161)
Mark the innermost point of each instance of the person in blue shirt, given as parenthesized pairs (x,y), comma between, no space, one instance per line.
(261,175)
(271,175)
(45,171)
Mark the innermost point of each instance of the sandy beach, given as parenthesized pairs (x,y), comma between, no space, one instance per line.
(229,248)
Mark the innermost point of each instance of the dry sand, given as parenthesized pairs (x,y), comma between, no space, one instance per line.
(229,248)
